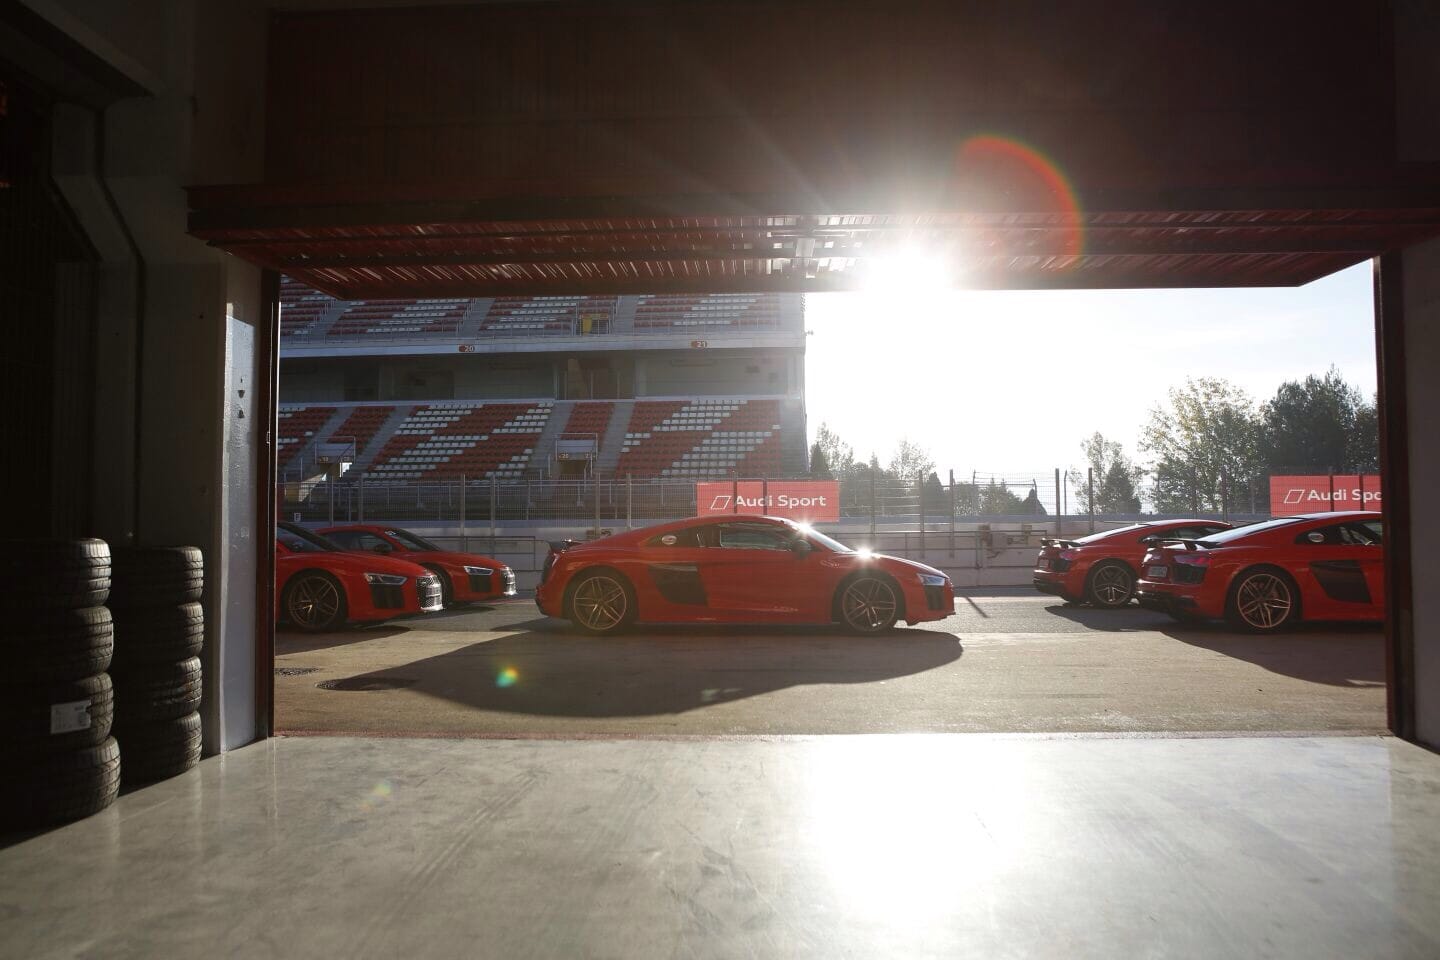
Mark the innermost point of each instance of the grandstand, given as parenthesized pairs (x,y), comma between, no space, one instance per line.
(671,386)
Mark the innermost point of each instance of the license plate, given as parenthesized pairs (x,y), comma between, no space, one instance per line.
(1158,571)
(1042,564)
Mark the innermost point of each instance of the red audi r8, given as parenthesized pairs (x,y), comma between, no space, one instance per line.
(1271,575)
(736,570)
(1102,568)
(464,577)
(320,587)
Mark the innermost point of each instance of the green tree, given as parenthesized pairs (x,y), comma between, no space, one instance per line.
(1315,425)
(839,455)
(819,464)
(1363,451)
(1206,438)
(1031,505)
(996,500)
(1116,478)
(911,461)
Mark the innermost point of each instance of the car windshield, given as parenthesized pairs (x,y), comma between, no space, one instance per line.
(300,540)
(829,543)
(410,541)
(1105,534)
(1225,536)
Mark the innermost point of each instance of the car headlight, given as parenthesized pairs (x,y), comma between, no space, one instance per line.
(388,579)
(479,571)
(933,579)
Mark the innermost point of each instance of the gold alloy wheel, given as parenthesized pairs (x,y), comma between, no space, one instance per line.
(1111,585)
(314,603)
(868,605)
(600,603)
(1264,601)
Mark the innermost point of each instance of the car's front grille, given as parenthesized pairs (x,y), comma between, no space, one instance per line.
(935,597)
(482,582)
(429,590)
(1189,573)
(509,582)
(387,596)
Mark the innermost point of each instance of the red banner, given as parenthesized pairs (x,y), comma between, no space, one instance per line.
(1321,492)
(810,501)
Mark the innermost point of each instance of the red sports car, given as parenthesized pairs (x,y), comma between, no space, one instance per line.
(320,587)
(1102,568)
(1271,575)
(464,577)
(736,570)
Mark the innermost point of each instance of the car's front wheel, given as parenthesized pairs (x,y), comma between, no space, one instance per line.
(1111,585)
(1263,600)
(315,602)
(601,603)
(869,604)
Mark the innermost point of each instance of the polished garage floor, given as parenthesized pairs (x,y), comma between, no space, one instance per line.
(869,846)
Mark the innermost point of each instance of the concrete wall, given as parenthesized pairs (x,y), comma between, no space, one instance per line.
(712,375)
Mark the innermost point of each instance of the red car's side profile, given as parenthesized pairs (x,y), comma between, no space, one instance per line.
(736,570)
(1272,575)
(319,587)
(464,577)
(1101,569)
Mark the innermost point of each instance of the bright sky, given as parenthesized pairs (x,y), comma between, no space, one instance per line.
(1011,382)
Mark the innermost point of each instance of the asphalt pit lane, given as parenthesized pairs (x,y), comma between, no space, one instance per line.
(367,684)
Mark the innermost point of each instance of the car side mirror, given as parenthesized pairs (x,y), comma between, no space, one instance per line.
(800,547)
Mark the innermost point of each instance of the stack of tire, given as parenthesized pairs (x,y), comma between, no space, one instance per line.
(58,761)
(159,633)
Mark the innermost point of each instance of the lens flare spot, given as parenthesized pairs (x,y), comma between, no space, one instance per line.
(507,677)
(1029,180)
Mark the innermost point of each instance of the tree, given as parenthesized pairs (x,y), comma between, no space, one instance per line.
(911,461)
(1031,505)
(1115,476)
(1207,438)
(996,500)
(839,455)
(1363,451)
(1315,426)
(819,464)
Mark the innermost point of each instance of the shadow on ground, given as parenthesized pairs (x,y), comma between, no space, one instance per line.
(293,641)
(1343,654)
(547,670)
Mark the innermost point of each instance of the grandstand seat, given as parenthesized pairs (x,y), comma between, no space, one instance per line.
(362,424)
(297,426)
(531,316)
(300,307)
(445,440)
(709,312)
(400,317)
(712,437)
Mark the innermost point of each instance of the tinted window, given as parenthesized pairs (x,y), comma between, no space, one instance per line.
(1139,529)
(300,540)
(409,541)
(345,539)
(361,540)
(748,536)
(1343,534)
(675,539)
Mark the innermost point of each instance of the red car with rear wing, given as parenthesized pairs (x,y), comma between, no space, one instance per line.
(736,570)
(1272,575)
(319,587)
(464,577)
(1102,568)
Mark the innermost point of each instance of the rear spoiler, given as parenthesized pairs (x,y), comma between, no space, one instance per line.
(1187,544)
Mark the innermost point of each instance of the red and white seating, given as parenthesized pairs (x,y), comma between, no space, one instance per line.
(297,427)
(362,424)
(531,316)
(300,307)
(400,318)
(702,438)
(443,440)
(701,313)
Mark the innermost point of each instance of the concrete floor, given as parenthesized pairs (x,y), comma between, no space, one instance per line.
(1013,663)
(897,846)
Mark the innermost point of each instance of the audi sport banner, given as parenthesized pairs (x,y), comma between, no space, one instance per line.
(811,501)
(1320,492)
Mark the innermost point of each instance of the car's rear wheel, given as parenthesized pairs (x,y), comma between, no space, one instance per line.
(869,604)
(315,602)
(1110,585)
(1263,600)
(601,603)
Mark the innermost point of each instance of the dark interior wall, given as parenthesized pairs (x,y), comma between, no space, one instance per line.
(757,96)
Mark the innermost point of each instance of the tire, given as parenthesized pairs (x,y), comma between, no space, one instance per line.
(28,715)
(159,749)
(53,574)
(447,588)
(60,788)
(158,691)
(1262,600)
(49,646)
(600,602)
(156,576)
(158,634)
(1110,585)
(305,606)
(869,603)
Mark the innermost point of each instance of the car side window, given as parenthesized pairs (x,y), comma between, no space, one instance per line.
(1341,534)
(345,539)
(753,536)
(1369,532)
(676,539)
